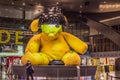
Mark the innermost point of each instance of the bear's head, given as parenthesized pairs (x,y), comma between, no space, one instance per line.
(51,21)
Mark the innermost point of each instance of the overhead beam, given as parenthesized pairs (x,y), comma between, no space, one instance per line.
(112,22)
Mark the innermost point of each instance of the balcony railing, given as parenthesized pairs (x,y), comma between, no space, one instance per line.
(100,43)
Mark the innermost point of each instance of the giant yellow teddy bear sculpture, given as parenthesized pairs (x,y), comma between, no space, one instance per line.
(53,43)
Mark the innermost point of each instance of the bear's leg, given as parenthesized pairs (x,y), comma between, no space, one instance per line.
(35,58)
(71,58)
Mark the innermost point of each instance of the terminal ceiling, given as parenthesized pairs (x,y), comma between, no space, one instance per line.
(102,8)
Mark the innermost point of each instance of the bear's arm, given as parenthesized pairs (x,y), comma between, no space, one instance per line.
(34,44)
(75,43)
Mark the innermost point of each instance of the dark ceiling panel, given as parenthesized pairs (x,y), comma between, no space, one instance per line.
(80,6)
(74,5)
(101,16)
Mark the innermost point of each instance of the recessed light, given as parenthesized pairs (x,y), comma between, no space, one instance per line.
(6,16)
(20,8)
(23,4)
(12,3)
(6,9)
(80,11)
(81,6)
(104,2)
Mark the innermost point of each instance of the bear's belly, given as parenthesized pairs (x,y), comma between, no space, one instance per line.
(55,50)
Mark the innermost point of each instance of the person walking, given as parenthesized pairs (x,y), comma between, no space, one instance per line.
(29,70)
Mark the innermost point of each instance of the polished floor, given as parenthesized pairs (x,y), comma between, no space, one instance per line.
(102,76)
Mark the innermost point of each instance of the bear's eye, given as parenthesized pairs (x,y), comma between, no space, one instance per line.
(57,25)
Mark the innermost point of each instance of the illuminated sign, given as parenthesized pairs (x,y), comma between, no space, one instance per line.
(18,36)
(19,53)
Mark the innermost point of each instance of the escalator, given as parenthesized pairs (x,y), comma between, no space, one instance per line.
(105,30)
(111,31)
(107,45)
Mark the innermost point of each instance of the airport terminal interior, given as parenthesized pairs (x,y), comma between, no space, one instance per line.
(96,22)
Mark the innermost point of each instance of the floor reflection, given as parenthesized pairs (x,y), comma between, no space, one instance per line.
(102,76)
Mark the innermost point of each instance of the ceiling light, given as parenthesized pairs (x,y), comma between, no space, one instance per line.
(81,6)
(20,8)
(6,16)
(109,6)
(23,4)
(12,3)
(6,9)
(80,11)
(104,2)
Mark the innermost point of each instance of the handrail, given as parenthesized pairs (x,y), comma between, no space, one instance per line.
(116,77)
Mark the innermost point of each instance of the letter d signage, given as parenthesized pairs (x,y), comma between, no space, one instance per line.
(7,38)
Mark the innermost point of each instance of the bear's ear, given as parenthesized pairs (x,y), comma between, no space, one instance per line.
(34,25)
(66,21)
